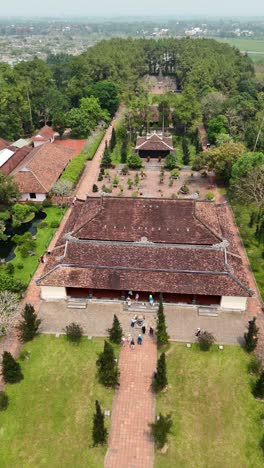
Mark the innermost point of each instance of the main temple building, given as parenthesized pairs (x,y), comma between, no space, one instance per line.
(181,248)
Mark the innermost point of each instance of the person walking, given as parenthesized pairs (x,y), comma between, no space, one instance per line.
(123,341)
(143,329)
(198,332)
(151,332)
(132,344)
(139,340)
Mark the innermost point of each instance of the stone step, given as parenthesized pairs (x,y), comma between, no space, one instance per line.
(208,312)
(76,306)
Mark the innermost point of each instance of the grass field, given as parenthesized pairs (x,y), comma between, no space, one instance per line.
(44,236)
(49,419)
(245,45)
(217,422)
(253,247)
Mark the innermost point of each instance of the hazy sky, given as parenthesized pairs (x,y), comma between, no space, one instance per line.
(132,7)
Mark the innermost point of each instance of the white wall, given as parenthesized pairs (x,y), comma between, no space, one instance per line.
(233,302)
(40,197)
(49,293)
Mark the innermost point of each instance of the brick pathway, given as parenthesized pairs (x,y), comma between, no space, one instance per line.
(130,441)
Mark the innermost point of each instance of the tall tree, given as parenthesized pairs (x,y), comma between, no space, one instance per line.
(115,332)
(108,372)
(251,337)
(159,381)
(99,430)
(8,189)
(29,325)
(161,329)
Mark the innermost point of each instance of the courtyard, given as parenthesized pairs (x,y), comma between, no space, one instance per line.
(97,317)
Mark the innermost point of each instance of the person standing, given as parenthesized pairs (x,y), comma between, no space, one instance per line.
(139,340)
(123,341)
(132,344)
(143,329)
(151,332)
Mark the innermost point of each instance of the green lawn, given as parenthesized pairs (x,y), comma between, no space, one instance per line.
(253,248)
(217,422)
(49,419)
(250,45)
(44,236)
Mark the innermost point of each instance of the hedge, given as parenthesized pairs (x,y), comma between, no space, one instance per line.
(74,169)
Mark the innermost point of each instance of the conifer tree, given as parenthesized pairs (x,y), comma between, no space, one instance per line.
(11,370)
(99,430)
(113,140)
(258,390)
(28,327)
(160,376)
(161,330)
(106,159)
(3,401)
(160,430)
(185,152)
(108,372)
(116,332)
(251,337)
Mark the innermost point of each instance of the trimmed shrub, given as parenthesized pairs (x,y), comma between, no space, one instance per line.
(161,429)
(46,203)
(134,161)
(258,390)
(11,369)
(205,340)
(254,366)
(251,337)
(74,332)
(209,196)
(3,401)
(54,224)
(170,162)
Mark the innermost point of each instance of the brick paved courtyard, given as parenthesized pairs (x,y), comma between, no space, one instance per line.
(130,441)
(228,327)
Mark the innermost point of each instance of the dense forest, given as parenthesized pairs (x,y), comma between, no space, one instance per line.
(80,91)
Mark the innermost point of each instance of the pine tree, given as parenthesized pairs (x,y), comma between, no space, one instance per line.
(160,430)
(108,372)
(185,152)
(160,376)
(113,140)
(11,370)
(116,332)
(99,430)
(161,330)
(106,159)
(251,337)
(258,390)
(28,327)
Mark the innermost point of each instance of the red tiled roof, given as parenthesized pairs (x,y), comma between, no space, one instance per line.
(44,134)
(167,221)
(15,159)
(219,284)
(41,168)
(154,142)
(4,144)
(174,260)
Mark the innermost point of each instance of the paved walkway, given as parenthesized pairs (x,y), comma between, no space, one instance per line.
(228,327)
(92,168)
(130,441)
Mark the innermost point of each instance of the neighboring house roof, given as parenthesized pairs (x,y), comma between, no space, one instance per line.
(4,143)
(21,143)
(16,158)
(5,154)
(44,134)
(154,142)
(145,245)
(41,168)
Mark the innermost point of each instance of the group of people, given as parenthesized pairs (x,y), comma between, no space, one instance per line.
(131,341)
